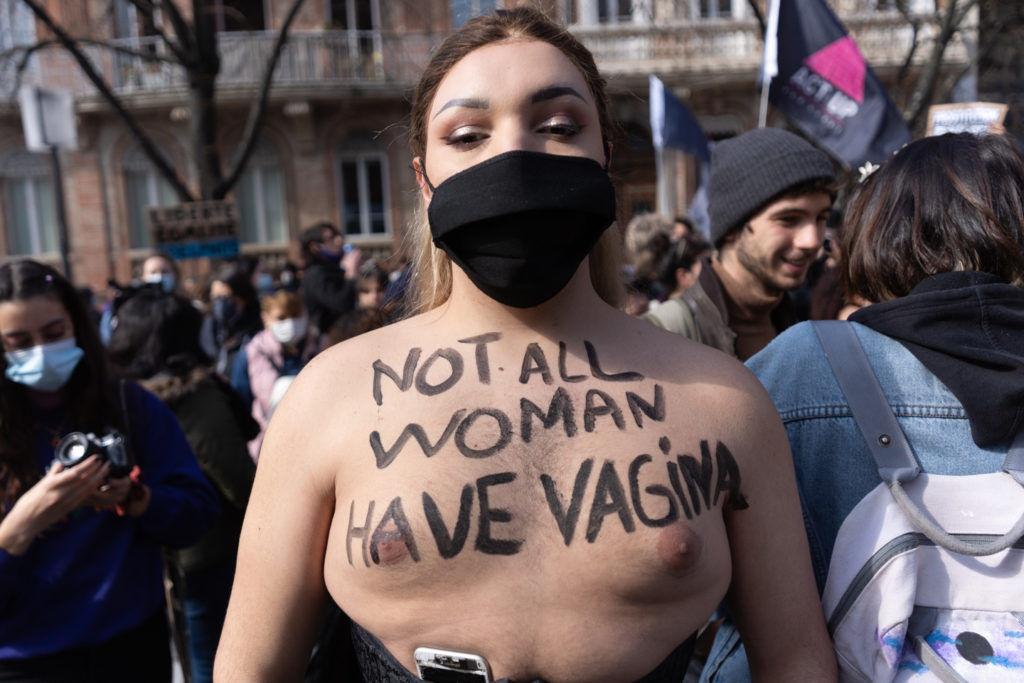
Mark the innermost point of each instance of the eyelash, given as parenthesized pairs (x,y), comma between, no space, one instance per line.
(26,343)
(563,129)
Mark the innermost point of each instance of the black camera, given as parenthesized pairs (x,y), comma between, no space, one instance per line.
(77,447)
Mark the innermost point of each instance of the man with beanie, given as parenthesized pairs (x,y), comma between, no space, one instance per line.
(769,196)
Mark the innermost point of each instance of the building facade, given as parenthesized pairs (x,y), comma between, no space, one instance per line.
(333,145)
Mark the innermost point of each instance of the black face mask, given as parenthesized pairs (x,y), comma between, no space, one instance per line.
(520,223)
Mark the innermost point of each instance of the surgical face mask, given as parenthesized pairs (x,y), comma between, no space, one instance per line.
(290,330)
(46,367)
(520,224)
(224,310)
(265,283)
(165,280)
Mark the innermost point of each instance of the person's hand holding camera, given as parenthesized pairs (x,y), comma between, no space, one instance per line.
(110,492)
(57,494)
(126,495)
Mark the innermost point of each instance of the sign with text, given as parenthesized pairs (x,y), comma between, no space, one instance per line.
(965,117)
(196,230)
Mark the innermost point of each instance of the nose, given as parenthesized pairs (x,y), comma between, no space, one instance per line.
(809,236)
(514,136)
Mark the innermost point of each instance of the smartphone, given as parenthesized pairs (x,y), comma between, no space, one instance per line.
(445,666)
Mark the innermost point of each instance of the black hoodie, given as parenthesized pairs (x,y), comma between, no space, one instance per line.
(967,328)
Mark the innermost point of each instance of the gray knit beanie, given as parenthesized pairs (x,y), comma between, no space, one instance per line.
(750,170)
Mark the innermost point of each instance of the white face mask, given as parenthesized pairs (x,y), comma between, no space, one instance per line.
(289,330)
(46,367)
(165,280)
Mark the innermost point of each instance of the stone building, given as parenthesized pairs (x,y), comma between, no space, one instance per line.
(333,145)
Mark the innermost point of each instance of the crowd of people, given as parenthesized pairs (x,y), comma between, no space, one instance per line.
(546,450)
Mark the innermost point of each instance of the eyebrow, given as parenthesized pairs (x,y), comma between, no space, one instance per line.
(554,91)
(542,95)
(469,102)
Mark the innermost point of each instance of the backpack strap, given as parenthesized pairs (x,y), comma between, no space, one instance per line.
(887,443)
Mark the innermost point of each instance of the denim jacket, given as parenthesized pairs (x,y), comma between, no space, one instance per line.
(834,468)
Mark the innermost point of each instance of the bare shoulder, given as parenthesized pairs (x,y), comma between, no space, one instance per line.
(717,389)
(331,395)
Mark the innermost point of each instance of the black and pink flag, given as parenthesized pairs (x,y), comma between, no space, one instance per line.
(820,79)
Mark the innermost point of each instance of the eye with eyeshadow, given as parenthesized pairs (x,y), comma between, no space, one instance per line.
(464,136)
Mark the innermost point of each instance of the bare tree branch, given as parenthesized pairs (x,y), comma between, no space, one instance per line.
(927,83)
(258,109)
(104,90)
(759,15)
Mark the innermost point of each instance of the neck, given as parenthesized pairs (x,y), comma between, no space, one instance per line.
(746,290)
(46,400)
(574,308)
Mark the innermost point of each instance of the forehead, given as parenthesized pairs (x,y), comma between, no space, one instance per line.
(520,66)
(156,264)
(29,314)
(812,203)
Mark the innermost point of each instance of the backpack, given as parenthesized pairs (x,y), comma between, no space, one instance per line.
(926,578)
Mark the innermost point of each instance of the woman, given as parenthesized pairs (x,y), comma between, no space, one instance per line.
(278,351)
(935,238)
(156,342)
(162,270)
(234,317)
(678,271)
(81,580)
(438,481)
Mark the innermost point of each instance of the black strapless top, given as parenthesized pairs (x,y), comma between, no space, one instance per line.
(378,665)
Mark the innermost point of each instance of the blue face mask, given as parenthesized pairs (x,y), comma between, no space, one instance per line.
(46,367)
(224,310)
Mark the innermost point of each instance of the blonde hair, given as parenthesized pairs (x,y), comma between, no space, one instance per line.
(289,302)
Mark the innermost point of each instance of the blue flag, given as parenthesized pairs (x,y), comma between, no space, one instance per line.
(672,124)
(822,82)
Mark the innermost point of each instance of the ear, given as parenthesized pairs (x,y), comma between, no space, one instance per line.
(609,147)
(417,165)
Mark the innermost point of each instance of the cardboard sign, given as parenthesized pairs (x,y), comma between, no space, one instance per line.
(965,117)
(196,230)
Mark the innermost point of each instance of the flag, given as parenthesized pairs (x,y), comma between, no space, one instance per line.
(820,79)
(698,212)
(672,124)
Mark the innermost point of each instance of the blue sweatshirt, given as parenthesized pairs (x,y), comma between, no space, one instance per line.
(94,574)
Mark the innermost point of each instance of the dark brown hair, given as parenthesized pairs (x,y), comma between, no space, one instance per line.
(91,402)
(431,282)
(947,203)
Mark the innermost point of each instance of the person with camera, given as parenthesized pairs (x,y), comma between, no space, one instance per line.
(95,476)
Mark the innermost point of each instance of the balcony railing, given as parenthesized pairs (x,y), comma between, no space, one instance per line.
(716,46)
(337,58)
(310,59)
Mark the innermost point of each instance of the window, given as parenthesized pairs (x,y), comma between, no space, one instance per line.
(143,187)
(241,15)
(364,194)
(614,11)
(261,198)
(711,9)
(464,10)
(129,22)
(17,27)
(29,204)
(360,19)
